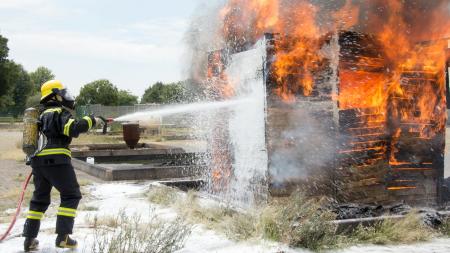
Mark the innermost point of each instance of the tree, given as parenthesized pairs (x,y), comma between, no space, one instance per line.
(5,83)
(153,94)
(126,98)
(40,76)
(22,88)
(15,84)
(163,93)
(4,50)
(98,92)
(33,100)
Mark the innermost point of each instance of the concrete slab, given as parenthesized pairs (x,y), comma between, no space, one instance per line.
(119,153)
(117,172)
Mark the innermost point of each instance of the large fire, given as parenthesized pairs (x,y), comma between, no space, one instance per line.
(399,26)
(397,85)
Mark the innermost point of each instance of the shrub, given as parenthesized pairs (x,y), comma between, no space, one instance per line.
(300,222)
(133,235)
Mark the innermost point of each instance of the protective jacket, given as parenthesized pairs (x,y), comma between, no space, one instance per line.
(59,127)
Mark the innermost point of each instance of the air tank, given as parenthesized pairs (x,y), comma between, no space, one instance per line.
(30,131)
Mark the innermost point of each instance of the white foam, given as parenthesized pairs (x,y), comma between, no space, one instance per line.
(182,108)
(247,126)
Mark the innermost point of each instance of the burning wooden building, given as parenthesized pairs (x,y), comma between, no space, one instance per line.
(351,99)
(359,130)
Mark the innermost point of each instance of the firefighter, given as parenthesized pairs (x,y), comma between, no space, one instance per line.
(51,165)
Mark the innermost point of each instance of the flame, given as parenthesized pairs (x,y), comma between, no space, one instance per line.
(398,188)
(347,16)
(302,24)
(417,85)
(216,76)
(361,89)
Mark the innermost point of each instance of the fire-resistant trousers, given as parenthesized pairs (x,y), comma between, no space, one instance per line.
(63,178)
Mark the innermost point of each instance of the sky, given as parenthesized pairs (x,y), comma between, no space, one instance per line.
(132,43)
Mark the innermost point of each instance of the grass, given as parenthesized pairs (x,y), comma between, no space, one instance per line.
(103,221)
(132,234)
(9,198)
(188,206)
(298,221)
(84,182)
(10,119)
(97,139)
(162,195)
(213,217)
(445,228)
(87,208)
(295,221)
(411,229)
(13,153)
(20,178)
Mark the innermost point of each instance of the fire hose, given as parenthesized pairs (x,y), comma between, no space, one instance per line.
(19,206)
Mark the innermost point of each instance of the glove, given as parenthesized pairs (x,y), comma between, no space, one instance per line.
(102,121)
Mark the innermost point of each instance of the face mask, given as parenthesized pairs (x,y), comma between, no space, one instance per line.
(67,99)
(65,94)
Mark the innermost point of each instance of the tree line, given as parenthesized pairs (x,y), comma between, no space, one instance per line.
(20,89)
(105,93)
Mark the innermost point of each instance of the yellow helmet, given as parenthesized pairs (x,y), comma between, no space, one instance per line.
(53,88)
(48,87)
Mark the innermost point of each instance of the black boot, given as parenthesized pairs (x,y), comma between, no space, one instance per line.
(64,241)
(30,244)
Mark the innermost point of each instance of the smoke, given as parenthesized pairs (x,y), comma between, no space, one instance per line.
(309,148)
(202,36)
(420,18)
(238,22)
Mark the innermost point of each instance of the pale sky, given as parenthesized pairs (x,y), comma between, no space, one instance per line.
(132,43)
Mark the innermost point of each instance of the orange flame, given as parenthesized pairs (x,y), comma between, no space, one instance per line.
(302,24)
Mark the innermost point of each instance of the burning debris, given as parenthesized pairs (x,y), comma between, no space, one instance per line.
(364,79)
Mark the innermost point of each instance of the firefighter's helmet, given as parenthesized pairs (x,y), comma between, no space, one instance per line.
(52,88)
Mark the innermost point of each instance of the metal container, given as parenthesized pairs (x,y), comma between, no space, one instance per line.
(30,131)
(131,134)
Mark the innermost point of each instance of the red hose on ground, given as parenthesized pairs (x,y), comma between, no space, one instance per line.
(19,205)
